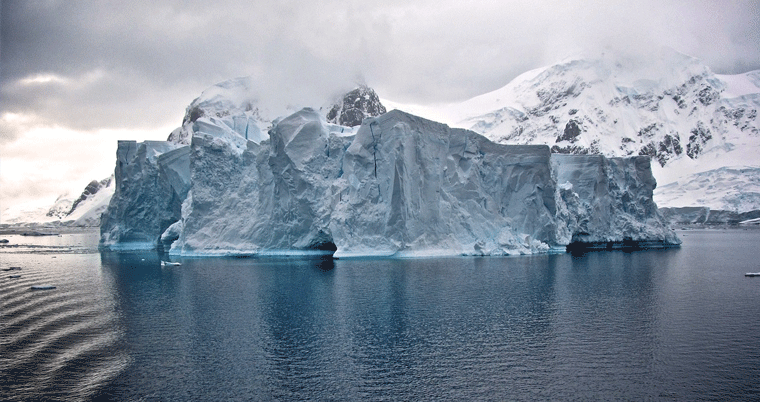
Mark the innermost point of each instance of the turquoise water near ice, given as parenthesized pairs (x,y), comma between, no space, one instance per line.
(679,324)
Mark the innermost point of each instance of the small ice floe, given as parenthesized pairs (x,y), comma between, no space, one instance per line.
(752,274)
(42,287)
(170,264)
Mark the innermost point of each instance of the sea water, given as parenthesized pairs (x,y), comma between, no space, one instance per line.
(679,323)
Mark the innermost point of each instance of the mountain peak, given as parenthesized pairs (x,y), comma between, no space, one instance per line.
(355,106)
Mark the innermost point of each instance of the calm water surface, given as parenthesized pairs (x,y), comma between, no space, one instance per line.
(678,324)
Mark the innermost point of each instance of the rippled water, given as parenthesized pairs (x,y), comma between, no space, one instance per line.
(60,344)
(670,324)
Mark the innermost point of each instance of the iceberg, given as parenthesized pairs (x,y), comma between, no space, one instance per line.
(401,185)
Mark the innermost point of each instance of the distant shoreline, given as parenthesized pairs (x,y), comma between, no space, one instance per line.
(45,230)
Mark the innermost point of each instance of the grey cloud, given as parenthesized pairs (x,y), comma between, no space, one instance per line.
(158,57)
(9,133)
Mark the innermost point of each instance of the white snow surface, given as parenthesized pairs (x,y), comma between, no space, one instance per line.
(741,84)
(729,188)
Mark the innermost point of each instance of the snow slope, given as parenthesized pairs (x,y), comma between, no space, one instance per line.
(730,188)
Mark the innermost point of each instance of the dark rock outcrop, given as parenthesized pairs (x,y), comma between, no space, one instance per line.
(355,106)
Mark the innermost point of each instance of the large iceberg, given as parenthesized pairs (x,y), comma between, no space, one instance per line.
(400,186)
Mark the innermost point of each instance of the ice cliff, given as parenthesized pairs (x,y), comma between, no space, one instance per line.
(152,180)
(402,186)
(609,201)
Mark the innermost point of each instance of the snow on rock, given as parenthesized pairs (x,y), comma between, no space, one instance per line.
(87,210)
(669,107)
(355,106)
(151,181)
(62,206)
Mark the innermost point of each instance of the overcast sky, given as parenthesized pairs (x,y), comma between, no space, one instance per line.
(76,76)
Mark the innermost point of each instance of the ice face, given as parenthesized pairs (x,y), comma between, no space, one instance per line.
(272,196)
(152,179)
(609,199)
(413,186)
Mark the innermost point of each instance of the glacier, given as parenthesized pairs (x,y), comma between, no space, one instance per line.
(397,185)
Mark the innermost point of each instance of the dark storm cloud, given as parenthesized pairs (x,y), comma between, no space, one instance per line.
(138,64)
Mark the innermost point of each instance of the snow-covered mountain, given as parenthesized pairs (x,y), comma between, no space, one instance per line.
(87,209)
(84,211)
(692,122)
(727,188)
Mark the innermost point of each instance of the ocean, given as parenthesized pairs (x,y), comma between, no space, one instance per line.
(673,324)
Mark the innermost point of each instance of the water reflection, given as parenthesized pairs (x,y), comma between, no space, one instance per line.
(588,326)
